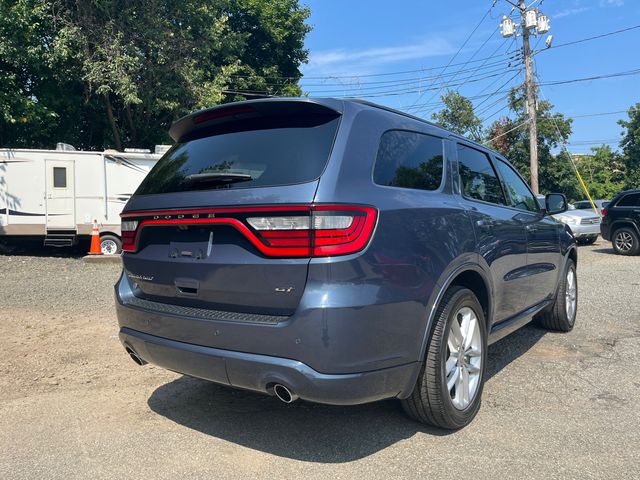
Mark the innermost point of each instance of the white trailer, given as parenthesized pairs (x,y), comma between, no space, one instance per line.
(57,194)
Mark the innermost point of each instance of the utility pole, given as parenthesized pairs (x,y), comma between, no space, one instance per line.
(532,22)
(531,99)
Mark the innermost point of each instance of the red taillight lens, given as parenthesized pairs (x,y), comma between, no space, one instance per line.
(283,231)
(604,212)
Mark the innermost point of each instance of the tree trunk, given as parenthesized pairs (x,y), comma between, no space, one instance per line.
(112,122)
(132,126)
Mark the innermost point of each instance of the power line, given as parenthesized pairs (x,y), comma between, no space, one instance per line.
(588,39)
(460,49)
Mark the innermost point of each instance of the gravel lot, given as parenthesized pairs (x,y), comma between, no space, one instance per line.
(73,405)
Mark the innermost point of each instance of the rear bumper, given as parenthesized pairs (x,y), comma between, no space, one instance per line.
(260,372)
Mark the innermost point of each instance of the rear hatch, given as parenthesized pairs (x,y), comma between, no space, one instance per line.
(224,220)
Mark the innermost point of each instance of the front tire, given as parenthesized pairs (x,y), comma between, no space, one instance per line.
(562,314)
(449,388)
(625,241)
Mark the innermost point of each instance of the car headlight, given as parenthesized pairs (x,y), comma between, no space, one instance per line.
(569,220)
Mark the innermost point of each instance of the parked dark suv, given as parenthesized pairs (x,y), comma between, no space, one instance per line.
(621,222)
(338,252)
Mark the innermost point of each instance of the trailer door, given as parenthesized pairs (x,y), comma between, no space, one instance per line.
(60,194)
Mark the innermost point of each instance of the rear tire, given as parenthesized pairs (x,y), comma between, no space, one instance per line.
(453,354)
(625,241)
(562,314)
(110,245)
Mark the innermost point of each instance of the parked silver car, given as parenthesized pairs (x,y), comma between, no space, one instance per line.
(584,224)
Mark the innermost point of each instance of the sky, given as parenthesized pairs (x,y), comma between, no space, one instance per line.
(361,47)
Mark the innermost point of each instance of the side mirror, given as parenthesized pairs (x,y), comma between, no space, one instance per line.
(556,203)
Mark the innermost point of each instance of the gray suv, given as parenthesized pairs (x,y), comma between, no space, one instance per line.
(338,252)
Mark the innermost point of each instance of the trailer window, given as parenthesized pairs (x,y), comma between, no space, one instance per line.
(59,177)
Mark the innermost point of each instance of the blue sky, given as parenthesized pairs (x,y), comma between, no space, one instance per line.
(357,48)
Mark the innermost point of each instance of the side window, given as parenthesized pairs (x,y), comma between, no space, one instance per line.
(479,180)
(59,177)
(519,194)
(409,160)
(631,200)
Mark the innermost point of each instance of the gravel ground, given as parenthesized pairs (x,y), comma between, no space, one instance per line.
(73,405)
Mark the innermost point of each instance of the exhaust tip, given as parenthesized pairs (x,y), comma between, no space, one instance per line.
(134,356)
(284,394)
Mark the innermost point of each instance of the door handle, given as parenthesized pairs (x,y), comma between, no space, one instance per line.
(532,228)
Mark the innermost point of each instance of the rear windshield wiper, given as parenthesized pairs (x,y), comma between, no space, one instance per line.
(218,178)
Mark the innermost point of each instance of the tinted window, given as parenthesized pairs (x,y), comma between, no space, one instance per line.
(631,200)
(519,194)
(478,178)
(582,205)
(59,177)
(263,153)
(409,160)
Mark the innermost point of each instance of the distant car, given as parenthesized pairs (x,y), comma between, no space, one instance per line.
(621,222)
(584,224)
(586,205)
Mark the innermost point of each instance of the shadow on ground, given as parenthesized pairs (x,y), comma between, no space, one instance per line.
(608,251)
(35,248)
(305,431)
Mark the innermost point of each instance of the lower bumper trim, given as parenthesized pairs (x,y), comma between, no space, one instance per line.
(260,372)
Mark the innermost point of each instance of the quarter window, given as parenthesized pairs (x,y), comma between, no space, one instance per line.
(59,177)
(479,179)
(632,200)
(409,160)
(519,194)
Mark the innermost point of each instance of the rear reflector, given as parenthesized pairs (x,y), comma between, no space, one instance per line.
(282,231)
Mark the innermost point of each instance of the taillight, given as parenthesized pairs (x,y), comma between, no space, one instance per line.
(128,229)
(283,231)
(604,212)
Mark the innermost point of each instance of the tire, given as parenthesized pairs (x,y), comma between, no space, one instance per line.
(558,317)
(431,401)
(625,241)
(110,245)
(588,240)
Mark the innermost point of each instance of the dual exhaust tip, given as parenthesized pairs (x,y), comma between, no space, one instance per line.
(284,394)
(280,391)
(135,357)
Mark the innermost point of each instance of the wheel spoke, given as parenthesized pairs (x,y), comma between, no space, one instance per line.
(471,326)
(453,380)
(464,373)
(452,363)
(455,335)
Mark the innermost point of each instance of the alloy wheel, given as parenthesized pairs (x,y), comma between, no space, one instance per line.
(624,241)
(571,296)
(464,358)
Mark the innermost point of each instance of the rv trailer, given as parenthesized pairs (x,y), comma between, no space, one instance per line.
(57,194)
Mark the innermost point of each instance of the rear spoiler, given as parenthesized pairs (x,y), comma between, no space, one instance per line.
(188,127)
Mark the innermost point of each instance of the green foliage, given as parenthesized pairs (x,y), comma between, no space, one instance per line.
(510,136)
(64,64)
(602,171)
(630,145)
(458,116)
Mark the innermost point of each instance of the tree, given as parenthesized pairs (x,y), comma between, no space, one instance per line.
(630,145)
(602,171)
(458,116)
(118,72)
(510,136)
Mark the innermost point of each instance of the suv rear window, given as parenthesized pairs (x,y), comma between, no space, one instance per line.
(261,153)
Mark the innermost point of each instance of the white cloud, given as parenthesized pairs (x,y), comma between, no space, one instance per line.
(571,11)
(611,3)
(359,61)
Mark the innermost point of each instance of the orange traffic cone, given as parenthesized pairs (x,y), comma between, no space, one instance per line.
(95,240)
